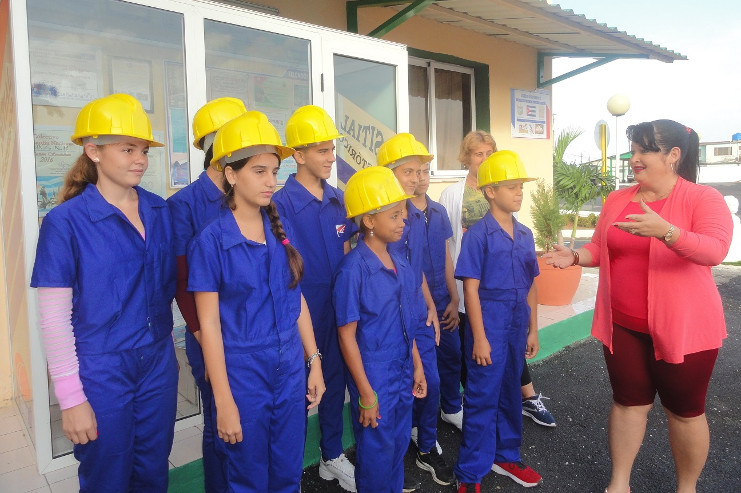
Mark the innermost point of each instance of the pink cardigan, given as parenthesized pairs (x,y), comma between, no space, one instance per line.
(685,313)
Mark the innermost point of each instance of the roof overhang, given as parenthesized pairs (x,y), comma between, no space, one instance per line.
(551,30)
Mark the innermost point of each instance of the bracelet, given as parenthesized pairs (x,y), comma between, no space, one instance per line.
(576,257)
(371,406)
(312,358)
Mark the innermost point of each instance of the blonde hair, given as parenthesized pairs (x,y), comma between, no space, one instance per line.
(472,140)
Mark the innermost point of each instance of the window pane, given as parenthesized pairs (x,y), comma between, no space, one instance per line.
(85,49)
(418,104)
(269,72)
(453,109)
(365,105)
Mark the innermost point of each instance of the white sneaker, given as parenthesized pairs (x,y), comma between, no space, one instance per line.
(340,469)
(414,439)
(455,419)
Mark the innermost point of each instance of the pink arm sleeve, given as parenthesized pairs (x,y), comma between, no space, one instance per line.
(55,310)
(712,230)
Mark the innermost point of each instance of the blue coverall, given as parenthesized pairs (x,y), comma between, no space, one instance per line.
(320,231)
(492,414)
(262,350)
(122,286)
(437,233)
(368,293)
(192,208)
(411,246)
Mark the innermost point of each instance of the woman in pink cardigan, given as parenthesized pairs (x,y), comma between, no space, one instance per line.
(658,312)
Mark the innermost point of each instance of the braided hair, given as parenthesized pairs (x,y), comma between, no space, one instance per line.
(295,262)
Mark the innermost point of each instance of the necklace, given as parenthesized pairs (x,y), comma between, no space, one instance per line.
(658,197)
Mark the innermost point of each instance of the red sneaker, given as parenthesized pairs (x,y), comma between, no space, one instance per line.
(469,487)
(519,472)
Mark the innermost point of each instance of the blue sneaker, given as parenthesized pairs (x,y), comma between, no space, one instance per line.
(534,409)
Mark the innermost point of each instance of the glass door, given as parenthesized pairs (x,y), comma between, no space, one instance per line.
(370,99)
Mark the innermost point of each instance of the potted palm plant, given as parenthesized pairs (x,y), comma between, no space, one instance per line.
(555,286)
(577,184)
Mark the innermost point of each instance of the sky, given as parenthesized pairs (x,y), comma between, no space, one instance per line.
(702,92)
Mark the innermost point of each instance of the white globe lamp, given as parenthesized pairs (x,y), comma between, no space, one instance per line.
(618,105)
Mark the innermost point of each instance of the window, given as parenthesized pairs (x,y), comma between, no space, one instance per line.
(722,151)
(441,110)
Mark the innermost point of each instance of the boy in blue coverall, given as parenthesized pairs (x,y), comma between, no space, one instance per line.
(437,265)
(376,333)
(192,208)
(497,266)
(316,211)
(404,155)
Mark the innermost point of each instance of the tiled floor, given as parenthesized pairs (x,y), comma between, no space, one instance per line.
(18,471)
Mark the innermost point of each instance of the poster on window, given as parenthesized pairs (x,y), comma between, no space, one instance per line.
(363,136)
(64,74)
(133,77)
(531,114)
(55,155)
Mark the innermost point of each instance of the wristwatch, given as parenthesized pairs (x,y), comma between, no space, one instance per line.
(668,235)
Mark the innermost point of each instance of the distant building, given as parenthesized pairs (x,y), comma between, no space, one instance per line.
(727,152)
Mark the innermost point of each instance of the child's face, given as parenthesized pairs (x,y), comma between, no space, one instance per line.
(506,197)
(388,225)
(424,180)
(408,175)
(317,159)
(254,183)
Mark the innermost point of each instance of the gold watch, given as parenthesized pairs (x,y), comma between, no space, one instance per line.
(668,235)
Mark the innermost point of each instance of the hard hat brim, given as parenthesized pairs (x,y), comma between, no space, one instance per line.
(507,182)
(380,209)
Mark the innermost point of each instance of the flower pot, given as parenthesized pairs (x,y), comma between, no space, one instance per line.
(556,286)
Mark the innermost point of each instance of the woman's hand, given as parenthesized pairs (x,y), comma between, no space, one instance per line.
(481,351)
(372,414)
(228,425)
(79,424)
(315,384)
(648,224)
(560,257)
(419,388)
(450,316)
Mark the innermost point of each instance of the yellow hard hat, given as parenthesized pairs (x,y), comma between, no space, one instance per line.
(502,166)
(213,115)
(117,114)
(371,189)
(310,125)
(400,146)
(250,129)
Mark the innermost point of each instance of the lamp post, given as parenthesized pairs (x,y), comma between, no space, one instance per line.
(618,105)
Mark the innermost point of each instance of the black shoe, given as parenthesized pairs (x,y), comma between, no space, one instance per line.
(410,484)
(435,464)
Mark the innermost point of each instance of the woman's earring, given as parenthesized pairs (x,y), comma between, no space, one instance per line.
(96,160)
(371,232)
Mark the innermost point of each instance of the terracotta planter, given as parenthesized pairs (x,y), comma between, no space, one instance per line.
(557,286)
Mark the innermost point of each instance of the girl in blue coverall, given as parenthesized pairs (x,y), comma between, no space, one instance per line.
(105,269)
(497,265)
(256,330)
(192,208)
(371,292)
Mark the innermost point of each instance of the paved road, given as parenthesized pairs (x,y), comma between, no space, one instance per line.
(572,457)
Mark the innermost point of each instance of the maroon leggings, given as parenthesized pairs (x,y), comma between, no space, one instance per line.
(636,375)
